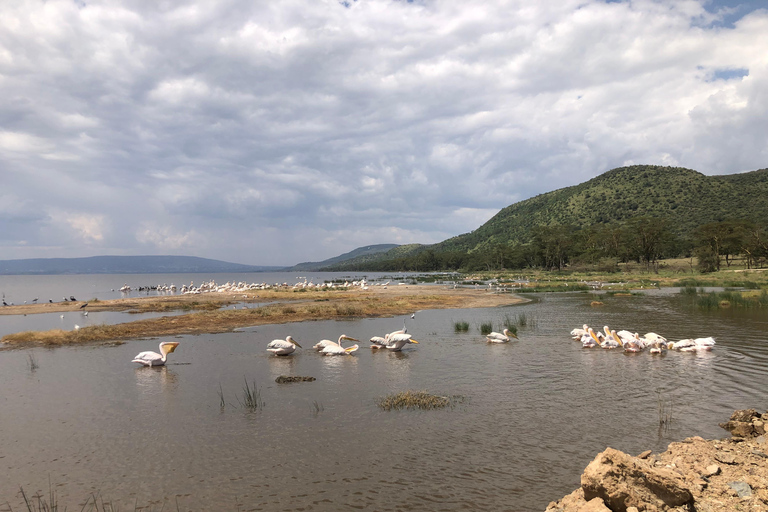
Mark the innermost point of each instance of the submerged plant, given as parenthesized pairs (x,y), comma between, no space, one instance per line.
(33,363)
(664,409)
(251,397)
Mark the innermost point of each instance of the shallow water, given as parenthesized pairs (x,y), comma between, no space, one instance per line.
(536,411)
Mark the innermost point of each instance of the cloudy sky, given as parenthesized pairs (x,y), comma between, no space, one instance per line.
(274,132)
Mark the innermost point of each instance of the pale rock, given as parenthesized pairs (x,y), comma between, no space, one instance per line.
(595,505)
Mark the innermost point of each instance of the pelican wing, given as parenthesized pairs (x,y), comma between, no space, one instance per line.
(149,358)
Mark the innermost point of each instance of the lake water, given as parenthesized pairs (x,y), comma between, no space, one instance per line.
(536,411)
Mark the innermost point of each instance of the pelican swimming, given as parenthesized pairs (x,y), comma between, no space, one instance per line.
(150,358)
(396,342)
(704,343)
(577,333)
(686,345)
(325,343)
(497,337)
(335,349)
(283,347)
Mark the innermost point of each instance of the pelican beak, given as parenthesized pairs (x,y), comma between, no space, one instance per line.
(350,339)
(294,342)
(514,335)
(592,333)
(172,346)
(414,341)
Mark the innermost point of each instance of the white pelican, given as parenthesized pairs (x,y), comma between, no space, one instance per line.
(497,337)
(396,342)
(150,358)
(704,343)
(686,345)
(335,349)
(282,347)
(652,337)
(588,341)
(401,331)
(324,343)
(378,342)
(577,333)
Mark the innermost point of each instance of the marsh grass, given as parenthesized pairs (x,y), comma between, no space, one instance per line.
(417,400)
(461,326)
(486,328)
(32,362)
(222,402)
(727,298)
(316,408)
(93,503)
(664,406)
(251,397)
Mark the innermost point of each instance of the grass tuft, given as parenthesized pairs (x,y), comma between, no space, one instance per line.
(461,326)
(251,398)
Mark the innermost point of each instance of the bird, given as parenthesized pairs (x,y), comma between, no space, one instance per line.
(72,298)
(413,315)
(378,342)
(283,347)
(150,358)
(85,313)
(335,349)
(396,342)
(704,343)
(497,337)
(319,346)
(577,333)
(77,327)
(686,345)
(83,305)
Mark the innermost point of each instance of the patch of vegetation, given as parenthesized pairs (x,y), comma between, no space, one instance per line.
(727,299)
(461,326)
(251,397)
(418,400)
(486,328)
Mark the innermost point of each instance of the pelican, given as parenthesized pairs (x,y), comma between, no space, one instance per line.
(335,349)
(396,342)
(378,342)
(686,345)
(282,347)
(577,333)
(496,337)
(150,358)
(325,343)
(704,343)
(588,341)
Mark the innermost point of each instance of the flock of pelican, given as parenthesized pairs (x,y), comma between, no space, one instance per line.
(394,341)
(633,342)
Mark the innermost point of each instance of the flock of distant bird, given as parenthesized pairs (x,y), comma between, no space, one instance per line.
(633,342)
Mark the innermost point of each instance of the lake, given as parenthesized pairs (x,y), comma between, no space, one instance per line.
(535,411)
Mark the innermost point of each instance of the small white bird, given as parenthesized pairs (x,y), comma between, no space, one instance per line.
(283,347)
(150,358)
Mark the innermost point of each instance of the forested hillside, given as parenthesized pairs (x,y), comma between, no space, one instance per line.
(637,197)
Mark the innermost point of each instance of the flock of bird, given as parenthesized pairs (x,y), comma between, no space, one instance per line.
(633,342)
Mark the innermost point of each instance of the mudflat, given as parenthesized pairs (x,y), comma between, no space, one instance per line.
(221,312)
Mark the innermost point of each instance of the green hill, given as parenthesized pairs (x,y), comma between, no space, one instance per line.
(686,198)
(360,255)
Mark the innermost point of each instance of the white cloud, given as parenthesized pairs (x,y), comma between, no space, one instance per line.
(270,133)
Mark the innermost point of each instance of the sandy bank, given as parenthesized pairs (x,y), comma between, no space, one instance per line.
(218,312)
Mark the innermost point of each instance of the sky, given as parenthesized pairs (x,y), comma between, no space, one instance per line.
(275,132)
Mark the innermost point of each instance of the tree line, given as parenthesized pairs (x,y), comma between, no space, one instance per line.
(644,240)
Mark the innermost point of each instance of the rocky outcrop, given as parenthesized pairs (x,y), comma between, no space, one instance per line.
(694,475)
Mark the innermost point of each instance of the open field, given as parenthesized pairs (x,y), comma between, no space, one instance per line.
(216,312)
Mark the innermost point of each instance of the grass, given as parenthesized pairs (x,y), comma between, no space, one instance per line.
(33,363)
(316,408)
(486,328)
(664,409)
(417,400)
(726,299)
(251,397)
(461,326)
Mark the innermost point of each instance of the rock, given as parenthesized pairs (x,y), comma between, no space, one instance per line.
(622,481)
(725,458)
(742,489)
(645,454)
(739,428)
(595,505)
(745,415)
(712,470)
(285,378)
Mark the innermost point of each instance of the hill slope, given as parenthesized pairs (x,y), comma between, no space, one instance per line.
(361,254)
(686,197)
(124,265)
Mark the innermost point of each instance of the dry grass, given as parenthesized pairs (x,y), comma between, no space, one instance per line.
(313,306)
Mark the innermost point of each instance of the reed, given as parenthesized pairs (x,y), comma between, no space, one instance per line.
(316,408)
(32,363)
(417,400)
(486,328)
(664,407)
(222,403)
(461,326)
(251,397)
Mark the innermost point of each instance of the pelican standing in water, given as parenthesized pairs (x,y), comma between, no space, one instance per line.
(497,337)
(378,342)
(283,347)
(150,358)
(335,349)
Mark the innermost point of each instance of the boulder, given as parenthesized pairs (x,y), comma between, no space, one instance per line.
(623,481)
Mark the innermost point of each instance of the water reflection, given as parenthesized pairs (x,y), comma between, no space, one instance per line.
(151,379)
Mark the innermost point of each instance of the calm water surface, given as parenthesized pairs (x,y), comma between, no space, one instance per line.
(536,411)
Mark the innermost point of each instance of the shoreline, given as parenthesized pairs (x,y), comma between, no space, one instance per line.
(211,312)
(718,475)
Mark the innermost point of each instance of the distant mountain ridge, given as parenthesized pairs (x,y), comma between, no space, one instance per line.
(124,265)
